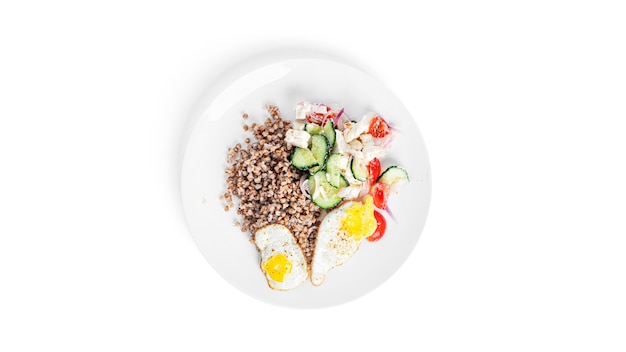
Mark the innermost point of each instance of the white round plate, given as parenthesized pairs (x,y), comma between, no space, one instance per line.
(284,83)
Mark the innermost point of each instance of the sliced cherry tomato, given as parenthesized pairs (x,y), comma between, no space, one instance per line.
(380,192)
(378,127)
(374,169)
(381,227)
(315,118)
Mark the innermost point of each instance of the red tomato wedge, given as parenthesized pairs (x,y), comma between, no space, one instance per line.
(380,192)
(381,227)
(374,169)
(378,127)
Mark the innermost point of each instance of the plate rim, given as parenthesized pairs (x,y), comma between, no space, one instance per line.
(251,65)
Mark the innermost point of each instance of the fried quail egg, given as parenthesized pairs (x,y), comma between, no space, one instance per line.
(282,260)
(340,235)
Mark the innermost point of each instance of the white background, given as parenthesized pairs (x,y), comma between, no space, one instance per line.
(522,107)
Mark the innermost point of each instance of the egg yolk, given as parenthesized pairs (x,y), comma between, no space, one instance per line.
(277,267)
(359,221)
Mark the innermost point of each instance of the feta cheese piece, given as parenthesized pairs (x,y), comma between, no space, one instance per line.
(297,138)
(302,109)
(372,151)
(355,130)
(340,143)
(366,139)
(355,145)
(298,125)
(321,109)
(357,154)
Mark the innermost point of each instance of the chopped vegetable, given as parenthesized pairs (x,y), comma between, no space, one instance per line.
(334,166)
(312,128)
(380,192)
(373,169)
(343,157)
(381,227)
(320,149)
(303,159)
(329,132)
(322,193)
(393,175)
(359,170)
(378,127)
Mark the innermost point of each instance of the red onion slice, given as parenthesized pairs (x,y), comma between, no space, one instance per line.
(337,116)
(388,210)
(304,185)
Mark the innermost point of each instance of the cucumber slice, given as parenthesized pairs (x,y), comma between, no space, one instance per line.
(303,159)
(393,175)
(312,128)
(329,132)
(359,169)
(342,181)
(320,150)
(322,193)
(333,169)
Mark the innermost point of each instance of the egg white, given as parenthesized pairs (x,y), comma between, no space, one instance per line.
(277,239)
(333,247)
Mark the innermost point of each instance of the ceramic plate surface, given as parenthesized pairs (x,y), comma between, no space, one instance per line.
(284,83)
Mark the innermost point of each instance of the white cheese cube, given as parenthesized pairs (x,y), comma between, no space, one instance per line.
(297,138)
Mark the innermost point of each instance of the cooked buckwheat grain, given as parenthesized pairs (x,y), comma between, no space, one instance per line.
(261,176)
